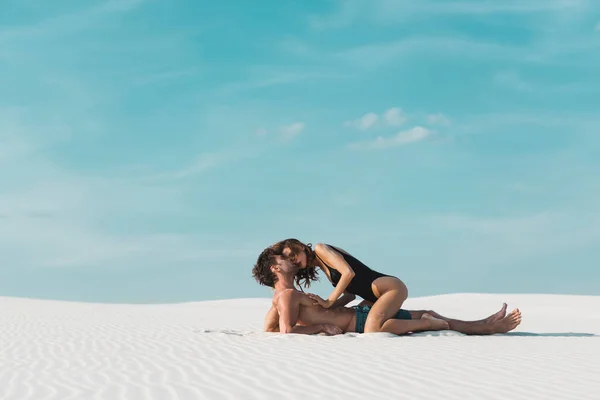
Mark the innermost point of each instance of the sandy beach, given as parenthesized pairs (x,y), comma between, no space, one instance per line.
(216,350)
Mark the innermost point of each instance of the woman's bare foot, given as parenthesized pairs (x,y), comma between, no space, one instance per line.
(436,323)
(497,316)
(508,323)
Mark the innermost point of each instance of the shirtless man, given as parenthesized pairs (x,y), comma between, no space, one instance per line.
(294,312)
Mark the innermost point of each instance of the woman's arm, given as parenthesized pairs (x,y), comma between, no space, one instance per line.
(342,301)
(334,260)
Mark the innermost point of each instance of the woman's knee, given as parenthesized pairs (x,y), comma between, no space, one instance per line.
(396,286)
(401,291)
(375,320)
(375,324)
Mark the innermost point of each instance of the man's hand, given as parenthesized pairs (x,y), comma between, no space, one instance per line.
(317,300)
(331,329)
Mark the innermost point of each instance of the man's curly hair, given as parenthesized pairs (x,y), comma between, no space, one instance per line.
(262,269)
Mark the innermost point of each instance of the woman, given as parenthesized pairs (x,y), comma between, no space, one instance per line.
(351,278)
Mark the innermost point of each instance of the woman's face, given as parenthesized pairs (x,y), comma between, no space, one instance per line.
(299,259)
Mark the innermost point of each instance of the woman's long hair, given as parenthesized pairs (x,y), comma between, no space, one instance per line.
(304,276)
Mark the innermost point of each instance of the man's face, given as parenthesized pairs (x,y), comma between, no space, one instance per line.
(285,266)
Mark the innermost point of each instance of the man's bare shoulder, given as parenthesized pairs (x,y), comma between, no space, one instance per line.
(291,296)
(286,295)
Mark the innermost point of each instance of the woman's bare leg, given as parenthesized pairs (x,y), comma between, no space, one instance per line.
(393,294)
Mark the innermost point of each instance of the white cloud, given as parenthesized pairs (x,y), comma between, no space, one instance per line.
(276,79)
(55,217)
(394,10)
(527,237)
(11,148)
(349,12)
(69,241)
(71,21)
(438,119)
(164,75)
(202,163)
(365,122)
(60,219)
(394,116)
(376,54)
(112,6)
(512,79)
(285,132)
(262,132)
(259,77)
(289,132)
(412,135)
(295,47)
(566,44)
(59,224)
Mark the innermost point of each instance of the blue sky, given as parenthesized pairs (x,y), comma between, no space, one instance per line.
(150,149)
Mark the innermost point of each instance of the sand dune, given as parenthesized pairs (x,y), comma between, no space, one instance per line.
(216,350)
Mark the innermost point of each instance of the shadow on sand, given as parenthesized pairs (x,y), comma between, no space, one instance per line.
(565,334)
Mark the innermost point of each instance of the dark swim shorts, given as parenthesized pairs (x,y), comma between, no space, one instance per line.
(363,311)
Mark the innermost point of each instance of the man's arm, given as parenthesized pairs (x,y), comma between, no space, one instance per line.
(272,320)
(288,305)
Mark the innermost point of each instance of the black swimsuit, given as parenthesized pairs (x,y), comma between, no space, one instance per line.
(364,276)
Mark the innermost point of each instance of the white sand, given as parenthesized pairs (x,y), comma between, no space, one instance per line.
(216,350)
